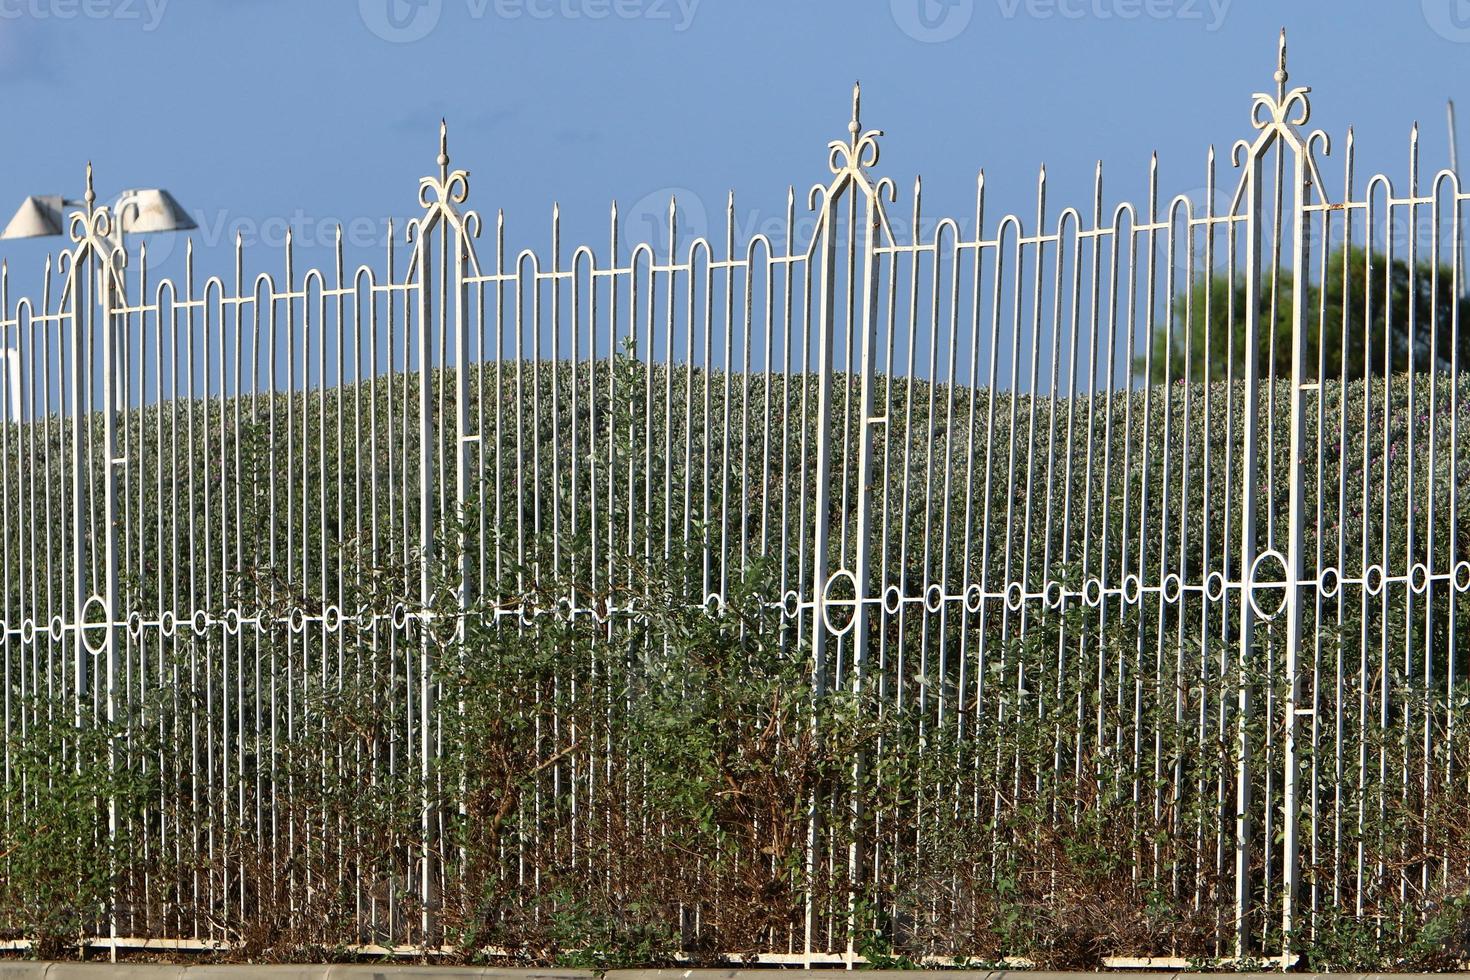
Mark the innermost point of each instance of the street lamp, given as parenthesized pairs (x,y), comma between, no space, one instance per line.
(138,212)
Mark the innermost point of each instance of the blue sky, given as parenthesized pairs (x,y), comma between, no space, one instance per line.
(260,114)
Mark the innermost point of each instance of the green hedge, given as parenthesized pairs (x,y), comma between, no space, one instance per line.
(1050,783)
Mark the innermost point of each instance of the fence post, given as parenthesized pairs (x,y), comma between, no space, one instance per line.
(1276,119)
(821,519)
(846,162)
(1249,474)
(438,196)
(428,446)
(1295,563)
(110,265)
(79,287)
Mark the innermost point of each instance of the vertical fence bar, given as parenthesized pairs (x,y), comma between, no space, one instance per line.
(1295,557)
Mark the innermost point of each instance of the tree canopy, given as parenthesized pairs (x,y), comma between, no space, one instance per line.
(1370,317)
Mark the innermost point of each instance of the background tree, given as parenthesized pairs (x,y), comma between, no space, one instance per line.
(1372,312)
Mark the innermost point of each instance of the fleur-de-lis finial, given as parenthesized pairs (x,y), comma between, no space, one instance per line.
(1288,108)
(1281,73)
(439,194)
(860,149)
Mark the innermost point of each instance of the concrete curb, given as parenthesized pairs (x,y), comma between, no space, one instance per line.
(959,974)
(19,970)
(13,970)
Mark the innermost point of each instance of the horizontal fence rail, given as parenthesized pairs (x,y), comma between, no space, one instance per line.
(1134,525)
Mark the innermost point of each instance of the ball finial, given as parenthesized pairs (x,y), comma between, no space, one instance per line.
(1281,75)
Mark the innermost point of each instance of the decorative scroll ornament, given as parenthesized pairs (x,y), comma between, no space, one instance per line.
(94,231)
(860,149)
(1279,116)
(849,161)
(1288,108)
(440,195)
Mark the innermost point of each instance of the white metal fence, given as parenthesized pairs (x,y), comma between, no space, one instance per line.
(1208,458)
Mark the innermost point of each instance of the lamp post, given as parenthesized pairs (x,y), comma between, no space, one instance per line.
(137,212)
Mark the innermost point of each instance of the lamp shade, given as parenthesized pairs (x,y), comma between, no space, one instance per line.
(143,212)
(38,217)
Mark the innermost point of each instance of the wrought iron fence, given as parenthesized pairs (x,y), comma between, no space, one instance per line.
(1176,485)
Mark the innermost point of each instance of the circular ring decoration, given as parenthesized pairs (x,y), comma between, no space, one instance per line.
(168,623)
(934,598)
(1374,579)
(790,604)
(95,624)
(1461,577)
(1052,594)
(366,620)
(232,621)
(297,620)
(600,611)
(974,598)
(1132,589)
(57,628)
(1257,586)
(400,616)
(892,600)
(1215,586)
(565,611)
(1329,583)
(201,622)
(714,605)
(1092,592)
(831,600)
(4,629)
(135,624)
(27,630)
(1015,596)
(528,615)
(332,619)
(1419,578)
(1173,588)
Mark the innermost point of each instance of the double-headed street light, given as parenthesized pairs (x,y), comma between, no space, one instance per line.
(136,212)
